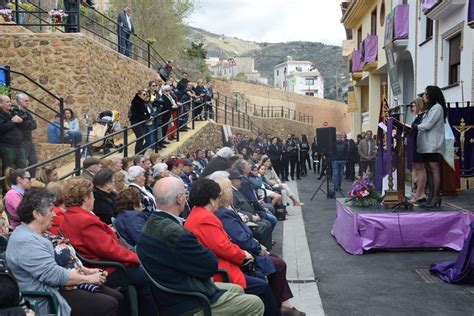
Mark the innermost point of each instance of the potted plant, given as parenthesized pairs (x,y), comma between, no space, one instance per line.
(6,13)
(4,90)
(56,16)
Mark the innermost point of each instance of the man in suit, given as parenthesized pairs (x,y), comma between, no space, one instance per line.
(367,153)
(125,29)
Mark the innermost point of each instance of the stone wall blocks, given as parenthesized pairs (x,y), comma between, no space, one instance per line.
(5,43)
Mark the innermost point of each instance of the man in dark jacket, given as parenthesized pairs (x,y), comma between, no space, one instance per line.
(219,162)
(174,257)
(29,124)
(338,161)
(125,29)
(11,136)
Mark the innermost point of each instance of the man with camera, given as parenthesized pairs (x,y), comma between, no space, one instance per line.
(29,124)
(11,135)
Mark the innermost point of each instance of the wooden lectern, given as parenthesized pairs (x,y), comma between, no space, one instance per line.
(393,197)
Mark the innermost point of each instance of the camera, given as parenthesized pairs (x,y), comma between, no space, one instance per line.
(17,111)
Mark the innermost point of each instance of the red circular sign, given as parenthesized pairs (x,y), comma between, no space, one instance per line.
(325,123)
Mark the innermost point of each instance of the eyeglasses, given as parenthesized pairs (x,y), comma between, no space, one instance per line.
(29,178)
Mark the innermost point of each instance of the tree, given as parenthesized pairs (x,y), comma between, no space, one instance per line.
(162,20)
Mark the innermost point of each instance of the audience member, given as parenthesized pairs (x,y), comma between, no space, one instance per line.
(173,256)
(57,189)
(130,218)
(32,259)
(44,175)
(367,153)
(351,160)
(267,263)
(138,112)
(274,181)
(71,126)
(208,229)
(29,124)
(136,176)
(219,162)
(90,168)
(95,240)
(119,182)
(338,161)
(125,29)
(20,181)
(11,136)
(104,195)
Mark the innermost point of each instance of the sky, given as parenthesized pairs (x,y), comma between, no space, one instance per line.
(271,20)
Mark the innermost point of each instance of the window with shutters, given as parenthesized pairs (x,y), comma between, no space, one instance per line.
(454,58)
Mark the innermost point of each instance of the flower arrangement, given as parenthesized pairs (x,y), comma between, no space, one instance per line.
(363,193)
(6,14)
(56,15)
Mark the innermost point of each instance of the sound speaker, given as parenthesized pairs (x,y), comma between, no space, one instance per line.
(326,138)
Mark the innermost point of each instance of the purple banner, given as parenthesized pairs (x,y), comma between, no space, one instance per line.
(461,120)
(369,49)
(356,63)
(470,14)
(400,21)
(429,4)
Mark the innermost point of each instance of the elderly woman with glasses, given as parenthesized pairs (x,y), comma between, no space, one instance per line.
(137,178)
(139,114)
(41,261)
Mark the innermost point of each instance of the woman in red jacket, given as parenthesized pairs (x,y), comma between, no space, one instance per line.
(209,231)
(95,240)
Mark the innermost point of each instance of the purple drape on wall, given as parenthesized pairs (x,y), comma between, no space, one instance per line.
(429,4)
(400,27)
(369,49)
(455,114)
(356,65)
(470,14)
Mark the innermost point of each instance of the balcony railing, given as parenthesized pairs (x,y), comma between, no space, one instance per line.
(369,52)
(400,22)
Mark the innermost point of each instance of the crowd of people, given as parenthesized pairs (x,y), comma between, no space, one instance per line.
(143,201)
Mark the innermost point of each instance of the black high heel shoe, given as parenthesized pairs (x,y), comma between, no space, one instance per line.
(434,204)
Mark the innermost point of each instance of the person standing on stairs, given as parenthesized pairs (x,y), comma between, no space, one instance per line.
(125,29)
(29,124)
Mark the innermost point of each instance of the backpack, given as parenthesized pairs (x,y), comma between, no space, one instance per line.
(9,290)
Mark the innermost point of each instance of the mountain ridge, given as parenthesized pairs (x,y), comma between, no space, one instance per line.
(326,58)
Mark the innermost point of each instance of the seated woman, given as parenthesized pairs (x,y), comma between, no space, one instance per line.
(269,264)
(95,240)
(71,124)
(274,181)
(33,261)
(56,188)
(257,181)
(137,178)
(45,175)
(104,195)
(130,218)
(208,229)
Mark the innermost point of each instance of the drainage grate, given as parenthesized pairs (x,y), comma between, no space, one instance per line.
(427,277)
(302,281)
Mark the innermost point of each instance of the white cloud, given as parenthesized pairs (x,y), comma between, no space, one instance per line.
(272,20)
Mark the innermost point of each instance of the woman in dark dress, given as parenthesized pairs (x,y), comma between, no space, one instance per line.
(274,152)
(418,108)
(304,155)
(138,112)
(352,159)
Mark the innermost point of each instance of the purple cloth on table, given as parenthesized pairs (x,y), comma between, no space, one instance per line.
(356,63)
(357,232)
(401,22)
(460,270)
(369,49)
(429,4)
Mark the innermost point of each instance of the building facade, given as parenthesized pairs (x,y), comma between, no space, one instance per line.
(401,46)
(298,76)
(232,67)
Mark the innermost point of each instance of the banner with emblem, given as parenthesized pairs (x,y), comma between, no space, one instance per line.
(461,120)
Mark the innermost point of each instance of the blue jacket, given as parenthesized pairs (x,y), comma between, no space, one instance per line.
(130,224)
(249,193)
(54,133)
(242,236)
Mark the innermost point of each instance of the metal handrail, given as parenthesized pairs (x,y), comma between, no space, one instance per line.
(59,111)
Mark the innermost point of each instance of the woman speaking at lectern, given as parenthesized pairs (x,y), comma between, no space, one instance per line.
(431,141)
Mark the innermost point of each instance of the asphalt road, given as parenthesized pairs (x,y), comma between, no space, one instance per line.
(378,282)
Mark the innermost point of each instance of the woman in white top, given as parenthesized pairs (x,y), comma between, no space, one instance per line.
(272,178)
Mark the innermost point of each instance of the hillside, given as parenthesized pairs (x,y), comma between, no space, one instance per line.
(326,58)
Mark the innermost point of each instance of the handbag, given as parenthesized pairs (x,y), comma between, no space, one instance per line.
(248,267)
